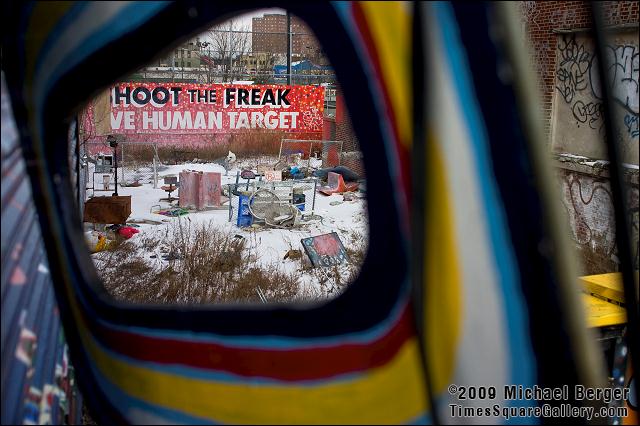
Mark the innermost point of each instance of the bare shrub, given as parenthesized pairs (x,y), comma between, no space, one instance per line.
(356,249)
(148,241)
(276,285)
(200,264)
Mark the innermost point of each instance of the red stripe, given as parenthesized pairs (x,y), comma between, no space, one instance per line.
(403,155)
(286,365)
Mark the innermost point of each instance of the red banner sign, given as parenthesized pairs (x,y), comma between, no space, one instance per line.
(214,108)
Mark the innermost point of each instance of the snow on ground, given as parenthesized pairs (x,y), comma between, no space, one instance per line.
(270,245)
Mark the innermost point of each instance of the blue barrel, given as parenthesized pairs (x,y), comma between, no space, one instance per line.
(299,198)
(244,215)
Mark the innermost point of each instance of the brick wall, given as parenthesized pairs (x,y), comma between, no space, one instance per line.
(586,198)
(351,156)
(540,18)
(583,188)
(329,128)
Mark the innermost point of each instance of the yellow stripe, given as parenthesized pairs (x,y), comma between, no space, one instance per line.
(443,313)
(390,27)
(393,393)
(390,394)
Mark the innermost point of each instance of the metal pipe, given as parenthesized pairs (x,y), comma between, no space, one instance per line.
(313,204)
(113,143)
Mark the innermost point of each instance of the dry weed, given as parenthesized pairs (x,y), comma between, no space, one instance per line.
(201,264)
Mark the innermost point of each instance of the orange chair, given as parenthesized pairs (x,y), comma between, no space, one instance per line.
(337,185)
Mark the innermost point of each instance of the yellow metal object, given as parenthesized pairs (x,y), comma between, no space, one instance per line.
(607,286)
(604,299)
(601,313)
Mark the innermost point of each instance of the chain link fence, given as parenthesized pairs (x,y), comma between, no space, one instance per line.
(138,164)
(99,160)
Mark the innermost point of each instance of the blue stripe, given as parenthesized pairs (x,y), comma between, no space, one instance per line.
(25,14)
(113,29)
(344,11)
(124,402)
(226,377)
(119,398)
(54,35)
(521,361)
(424,419)
(278,342)
(128,19)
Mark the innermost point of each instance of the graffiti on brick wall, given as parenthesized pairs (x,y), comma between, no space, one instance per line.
(573,69)
(578,72)
(578,108)
(589,206)
(590,113)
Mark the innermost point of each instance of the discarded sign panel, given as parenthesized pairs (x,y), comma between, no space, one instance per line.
(200,190)
(325,250)
(273,175)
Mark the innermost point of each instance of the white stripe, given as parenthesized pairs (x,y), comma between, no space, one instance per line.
(483,352)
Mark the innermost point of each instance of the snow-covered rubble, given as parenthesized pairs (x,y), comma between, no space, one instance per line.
(347,218)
